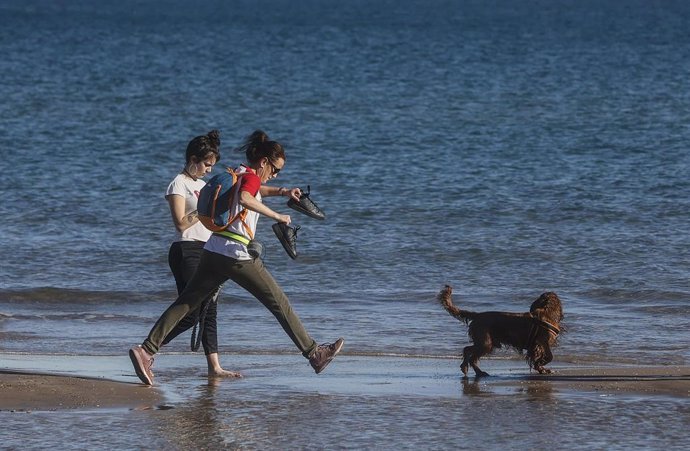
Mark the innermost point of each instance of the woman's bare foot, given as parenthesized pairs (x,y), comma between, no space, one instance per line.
(220,372)
(215,370)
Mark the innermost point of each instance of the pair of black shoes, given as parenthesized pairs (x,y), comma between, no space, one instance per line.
(288,235)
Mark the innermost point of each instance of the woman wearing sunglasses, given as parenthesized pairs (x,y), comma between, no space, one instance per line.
(225,256)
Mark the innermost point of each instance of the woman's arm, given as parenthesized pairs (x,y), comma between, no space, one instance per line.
(249,202)
(177,206)
(267,191)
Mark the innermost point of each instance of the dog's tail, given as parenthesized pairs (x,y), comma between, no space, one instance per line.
(445,298)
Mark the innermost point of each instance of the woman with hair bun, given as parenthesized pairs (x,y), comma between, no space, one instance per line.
(225,256)
(202,153)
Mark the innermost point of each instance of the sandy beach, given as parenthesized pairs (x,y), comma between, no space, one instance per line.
(365,401)
(21,391)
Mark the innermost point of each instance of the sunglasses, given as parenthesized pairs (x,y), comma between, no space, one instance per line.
(275,169)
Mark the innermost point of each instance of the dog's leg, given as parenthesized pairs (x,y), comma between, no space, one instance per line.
(468,354)
(480,348)
(547,357)
(477,371)
(466,357)
(534,355)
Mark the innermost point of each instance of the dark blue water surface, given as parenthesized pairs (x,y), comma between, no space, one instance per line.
(506,148)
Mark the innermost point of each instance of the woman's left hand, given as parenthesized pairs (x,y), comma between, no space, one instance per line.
(295,193)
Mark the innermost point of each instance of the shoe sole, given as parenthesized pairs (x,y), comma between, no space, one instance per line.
(312,213)
(335,353)
(139,368)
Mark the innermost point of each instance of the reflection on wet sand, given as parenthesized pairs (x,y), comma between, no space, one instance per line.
(496,385)
(651,381)
(201,422)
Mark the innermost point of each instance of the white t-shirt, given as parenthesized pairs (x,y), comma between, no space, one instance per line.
(231,248)
(187,187)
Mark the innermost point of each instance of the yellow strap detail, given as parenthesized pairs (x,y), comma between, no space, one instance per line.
(241,217)
(234,236)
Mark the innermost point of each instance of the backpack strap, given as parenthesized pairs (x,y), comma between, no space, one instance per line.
(241,216)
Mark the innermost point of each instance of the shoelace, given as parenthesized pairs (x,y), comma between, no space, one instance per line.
(309,204)
(292,237)
(149,368)
(307,193)
(321,355)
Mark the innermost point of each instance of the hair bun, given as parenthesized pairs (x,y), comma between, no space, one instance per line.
(214,137)
(257,137)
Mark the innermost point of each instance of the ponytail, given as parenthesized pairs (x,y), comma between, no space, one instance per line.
(257,146)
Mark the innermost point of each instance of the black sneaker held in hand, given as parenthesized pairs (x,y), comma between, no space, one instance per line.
(307,206)
(288,237)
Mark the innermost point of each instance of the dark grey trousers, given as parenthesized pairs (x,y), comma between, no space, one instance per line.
(183,258)
(213,270)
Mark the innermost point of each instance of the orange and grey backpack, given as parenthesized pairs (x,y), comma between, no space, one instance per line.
(215,201)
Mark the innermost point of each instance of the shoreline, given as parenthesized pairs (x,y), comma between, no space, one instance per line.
(22,390)
(28,391)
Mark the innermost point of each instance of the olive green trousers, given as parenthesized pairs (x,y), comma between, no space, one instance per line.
(214,270)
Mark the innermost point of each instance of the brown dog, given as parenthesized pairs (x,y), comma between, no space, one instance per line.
(534,332)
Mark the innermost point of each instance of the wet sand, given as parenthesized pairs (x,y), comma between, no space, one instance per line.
(25,391)
(21,391)
(657,380)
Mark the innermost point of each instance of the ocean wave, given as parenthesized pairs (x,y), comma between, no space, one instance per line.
(48,295)
(616,296)
(67,316)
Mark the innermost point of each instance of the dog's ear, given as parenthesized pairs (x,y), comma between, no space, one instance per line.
(547,304)
(538,304)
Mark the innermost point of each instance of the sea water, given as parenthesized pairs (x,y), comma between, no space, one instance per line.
(505,148)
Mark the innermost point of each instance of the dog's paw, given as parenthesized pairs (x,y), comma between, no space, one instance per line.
(464,367)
